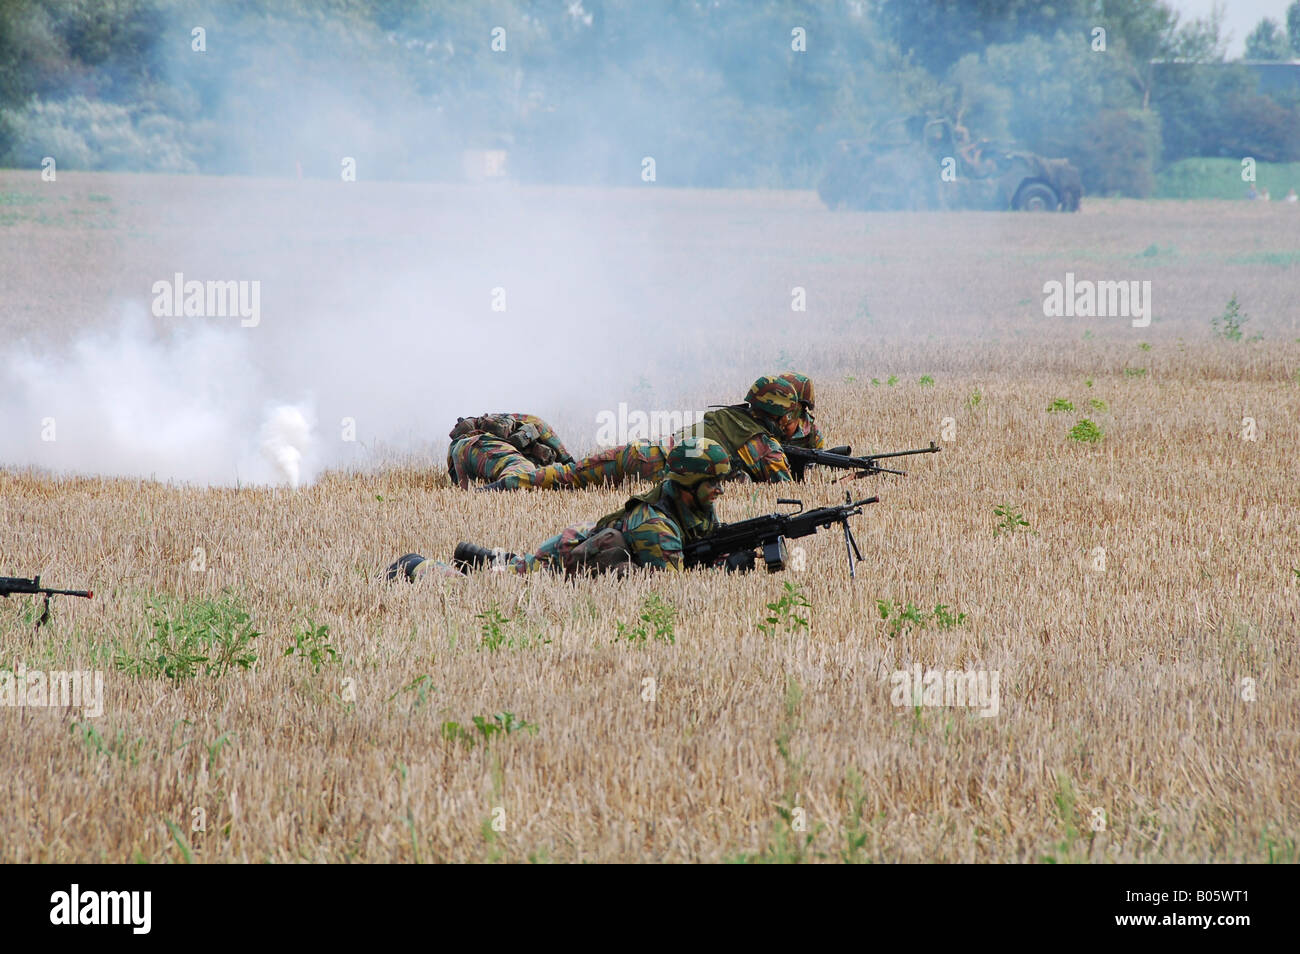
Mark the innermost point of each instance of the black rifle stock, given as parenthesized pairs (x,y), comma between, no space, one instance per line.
(866,465)
(771,531)
(20,585)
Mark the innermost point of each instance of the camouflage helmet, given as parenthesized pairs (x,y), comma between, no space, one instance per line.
(696,459)
(775,397)
(803,387)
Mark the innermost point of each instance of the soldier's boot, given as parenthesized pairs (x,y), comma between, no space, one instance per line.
(403,568)
(469,556)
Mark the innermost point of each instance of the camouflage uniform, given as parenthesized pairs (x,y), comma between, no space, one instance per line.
(649,530)
(654,525)
(506,447)
(647,460)
(749,432)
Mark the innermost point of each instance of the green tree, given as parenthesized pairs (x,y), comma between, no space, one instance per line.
(1293,26)
(1268,41)
(938,33)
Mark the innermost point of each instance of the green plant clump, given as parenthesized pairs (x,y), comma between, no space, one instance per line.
(1011,520)
(656,623)
(783,612)
(1085,432)
(211,637)
(1228,325)
(312,645)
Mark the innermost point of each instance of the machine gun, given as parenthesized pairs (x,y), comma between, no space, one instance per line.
(838,457)
(737,541)
(18,584)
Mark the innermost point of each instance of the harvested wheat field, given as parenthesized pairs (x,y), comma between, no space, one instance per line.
(1133,587)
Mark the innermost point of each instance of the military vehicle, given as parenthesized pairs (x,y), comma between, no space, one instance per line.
(936,165)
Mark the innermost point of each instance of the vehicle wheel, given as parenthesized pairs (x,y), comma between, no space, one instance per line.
(1036,197)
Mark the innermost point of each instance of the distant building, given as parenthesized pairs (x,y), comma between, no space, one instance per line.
(482,165)
(1273,76)
(489,162)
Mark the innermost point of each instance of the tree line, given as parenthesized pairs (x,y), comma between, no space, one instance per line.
(719,92)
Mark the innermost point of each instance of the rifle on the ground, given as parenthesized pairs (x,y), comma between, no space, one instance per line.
(738,540)
(838,457)
(18,584)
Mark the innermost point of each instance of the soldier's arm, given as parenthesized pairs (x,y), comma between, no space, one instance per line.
(762,458)
(554,443)
(547,436)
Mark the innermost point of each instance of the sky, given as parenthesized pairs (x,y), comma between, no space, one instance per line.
(1240,17)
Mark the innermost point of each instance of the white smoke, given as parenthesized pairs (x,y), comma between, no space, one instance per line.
(369,359)
(124,401)
(286,437)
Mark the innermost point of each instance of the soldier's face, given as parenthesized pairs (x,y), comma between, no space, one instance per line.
(789,424)
(708,491)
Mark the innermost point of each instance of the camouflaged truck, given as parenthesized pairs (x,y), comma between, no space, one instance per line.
(937,166)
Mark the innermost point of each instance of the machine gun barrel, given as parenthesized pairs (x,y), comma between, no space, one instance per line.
(865,465)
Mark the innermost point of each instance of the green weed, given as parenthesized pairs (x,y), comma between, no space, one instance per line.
(209,636)
(492,629)
(420,689)
(790,841)
(1228,325)
(946,620)
(1060,404)
(656,623)
(1085,432)
(312,644)
(119,746)
(1065,799)
(1283,851)
(900,617)
(488,728)
(783,615)
(494,636)
(855,833)
(1011,520)
(187,853)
